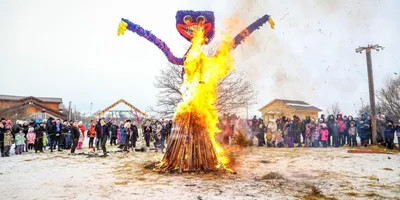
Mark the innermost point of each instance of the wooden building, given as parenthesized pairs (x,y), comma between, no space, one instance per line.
(20,107)
(282,107)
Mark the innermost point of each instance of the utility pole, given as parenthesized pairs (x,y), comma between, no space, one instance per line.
(90,113)
(368,49)
(69,111)
(75,117)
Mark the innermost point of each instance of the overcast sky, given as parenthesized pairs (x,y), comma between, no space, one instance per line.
(70,49)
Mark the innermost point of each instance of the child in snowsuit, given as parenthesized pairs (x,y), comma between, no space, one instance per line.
(158,144)
(389,134)
(82,135)
(45,140)
(316,134)
(7,142)
(279,139)
(30,137)
(19,142)
(308,136)
(269,138)
(353,131)
(324,132)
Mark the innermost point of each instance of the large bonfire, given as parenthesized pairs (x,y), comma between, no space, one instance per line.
(192,146)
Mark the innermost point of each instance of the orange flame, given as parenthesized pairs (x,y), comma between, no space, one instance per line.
(200,86)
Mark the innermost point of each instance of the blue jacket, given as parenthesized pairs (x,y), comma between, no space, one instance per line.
(122,134)
(102,131)
(389,132)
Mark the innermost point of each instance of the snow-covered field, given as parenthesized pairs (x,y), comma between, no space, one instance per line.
(305,174)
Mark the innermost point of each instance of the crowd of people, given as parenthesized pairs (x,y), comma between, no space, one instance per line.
(335,131)
(55,134)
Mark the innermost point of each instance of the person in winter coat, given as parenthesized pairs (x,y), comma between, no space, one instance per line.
(16,128)
(25,127)
(82,137)
(2,131)
(272,128)
(19,142)
(7,142)
(279,139)
(398,133)
(364,130)
(119,135)
(323,119)
(66,135)
(381,126)
(92,133)
(113,134)
(336,134)
(331,121)
(349,120)
(128,131)
(134,136)
(299,129)
(31,137)
(324,132)
(261,133)
(342,129)
(122,133)
(75,135)
(353,131)
(389,134)
(51,132)
(147,130)
(291,133)
(268,136)
(316,133)
(158,143)
(45,140)
(58,132)
(102,131)
(39,138)
(169,128)
(307,136)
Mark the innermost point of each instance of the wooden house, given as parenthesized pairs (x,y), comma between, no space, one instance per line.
(283,107)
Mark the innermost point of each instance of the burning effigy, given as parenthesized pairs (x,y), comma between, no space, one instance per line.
(192,146)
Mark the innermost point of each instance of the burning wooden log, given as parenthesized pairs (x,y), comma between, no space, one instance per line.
(190,148)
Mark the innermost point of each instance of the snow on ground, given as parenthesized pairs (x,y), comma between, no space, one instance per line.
(306,174)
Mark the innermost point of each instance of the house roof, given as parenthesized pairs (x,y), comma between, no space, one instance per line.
(36,105)
(18,98)
(118,102)
(295,104)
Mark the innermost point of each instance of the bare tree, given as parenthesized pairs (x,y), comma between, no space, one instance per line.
(389,97)
(367,109)
(333,109)
(15,114)
(235,92)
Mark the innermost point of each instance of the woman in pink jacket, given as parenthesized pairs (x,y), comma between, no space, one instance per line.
(342,128)
(30,137)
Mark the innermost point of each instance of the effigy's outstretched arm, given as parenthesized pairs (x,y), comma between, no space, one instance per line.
(127,25)
(239,38)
